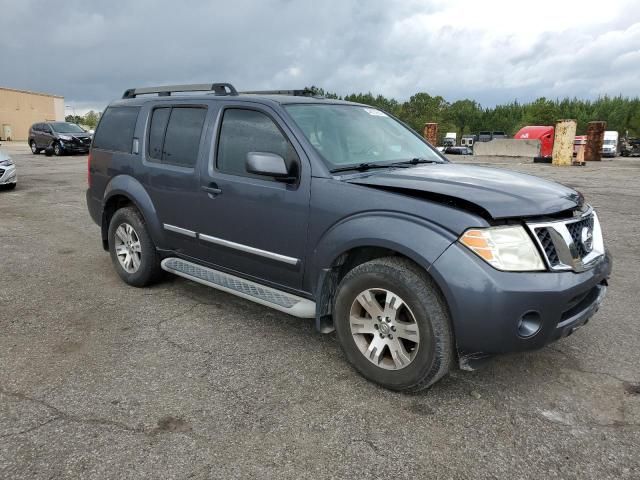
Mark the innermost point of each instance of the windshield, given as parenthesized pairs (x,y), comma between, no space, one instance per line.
(350,135)
(65,127)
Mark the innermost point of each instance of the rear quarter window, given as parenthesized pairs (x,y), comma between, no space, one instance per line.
(116,129)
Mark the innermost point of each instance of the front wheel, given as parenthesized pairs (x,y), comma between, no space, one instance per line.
(393,325)
(132,250)
(57,150)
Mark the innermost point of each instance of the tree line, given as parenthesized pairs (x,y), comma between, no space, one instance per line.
(469,117)
(89,120)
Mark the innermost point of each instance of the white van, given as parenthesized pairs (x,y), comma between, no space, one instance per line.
(610,146)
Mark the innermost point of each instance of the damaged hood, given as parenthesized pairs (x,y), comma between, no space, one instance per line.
(502,193)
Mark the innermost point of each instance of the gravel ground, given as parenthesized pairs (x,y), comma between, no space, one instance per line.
(101,380)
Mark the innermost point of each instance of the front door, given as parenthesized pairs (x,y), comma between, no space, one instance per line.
(45,136)
(250,224)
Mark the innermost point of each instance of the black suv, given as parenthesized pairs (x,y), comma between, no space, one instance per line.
(337,211)
(59,137)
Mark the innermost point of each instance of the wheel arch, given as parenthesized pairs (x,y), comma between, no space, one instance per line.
(123,191)
(417,240)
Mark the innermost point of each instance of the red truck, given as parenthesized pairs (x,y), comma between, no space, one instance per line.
(543,133)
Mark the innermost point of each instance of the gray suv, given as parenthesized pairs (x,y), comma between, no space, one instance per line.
(59,138)
(339,212)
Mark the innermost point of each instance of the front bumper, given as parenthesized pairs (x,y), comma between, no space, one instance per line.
(74,146)
(488,306)
(8,175)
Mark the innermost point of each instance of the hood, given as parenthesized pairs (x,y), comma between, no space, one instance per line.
(77,135)
(501,193)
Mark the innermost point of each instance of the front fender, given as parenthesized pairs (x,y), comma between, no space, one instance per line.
(414,237)
(129,187)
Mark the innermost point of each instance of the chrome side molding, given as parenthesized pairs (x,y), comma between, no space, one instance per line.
(246,248)
(236,246)
(183,231)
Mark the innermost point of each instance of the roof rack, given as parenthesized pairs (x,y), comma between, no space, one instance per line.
(307,92)
(167,90)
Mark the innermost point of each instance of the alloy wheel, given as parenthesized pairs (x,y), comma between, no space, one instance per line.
(128,248)
(384,329)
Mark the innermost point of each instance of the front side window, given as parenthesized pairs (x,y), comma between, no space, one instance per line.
(245,131)
(347,135)
(174,135)
(115,130)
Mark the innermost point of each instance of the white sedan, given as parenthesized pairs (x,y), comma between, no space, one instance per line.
(8,176)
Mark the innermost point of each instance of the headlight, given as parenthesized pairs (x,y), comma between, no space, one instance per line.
(505,248)
(65,137)
(6,163)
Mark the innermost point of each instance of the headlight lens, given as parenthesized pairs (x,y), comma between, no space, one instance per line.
(65,137)
(6,163)
(505,248)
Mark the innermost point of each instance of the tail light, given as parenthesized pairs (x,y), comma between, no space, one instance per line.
(89,169)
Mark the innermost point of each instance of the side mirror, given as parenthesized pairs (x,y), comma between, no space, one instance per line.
(269,165)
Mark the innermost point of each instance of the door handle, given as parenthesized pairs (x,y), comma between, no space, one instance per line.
(212,189)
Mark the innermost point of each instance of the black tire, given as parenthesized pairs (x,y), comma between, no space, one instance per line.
(435,353)
(58,151)
(8,186)
(149,270)
(34,148)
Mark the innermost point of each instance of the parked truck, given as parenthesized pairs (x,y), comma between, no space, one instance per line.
(468,140)
(610,146)
(451,139)
(539,132)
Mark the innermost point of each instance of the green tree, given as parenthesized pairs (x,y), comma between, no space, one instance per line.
(91,119)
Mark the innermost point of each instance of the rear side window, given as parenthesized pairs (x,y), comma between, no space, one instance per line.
(174,135)
(245,131)
(159,120)
(115,131)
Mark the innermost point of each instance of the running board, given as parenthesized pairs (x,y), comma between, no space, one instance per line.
(277,299)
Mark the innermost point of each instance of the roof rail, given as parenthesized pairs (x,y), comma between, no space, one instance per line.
(167,90)
(307,92)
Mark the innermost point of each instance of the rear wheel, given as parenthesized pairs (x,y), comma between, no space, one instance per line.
(34,148)
(393,325)
(133,253)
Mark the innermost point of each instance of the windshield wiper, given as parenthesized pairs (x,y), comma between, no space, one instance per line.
(414,161)
(365,166)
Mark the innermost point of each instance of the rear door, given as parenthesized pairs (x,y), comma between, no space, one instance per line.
(174,145)
(254,225)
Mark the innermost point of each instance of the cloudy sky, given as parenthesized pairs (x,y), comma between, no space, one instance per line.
(491,51)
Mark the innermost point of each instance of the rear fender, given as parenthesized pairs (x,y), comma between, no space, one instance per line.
(129,187)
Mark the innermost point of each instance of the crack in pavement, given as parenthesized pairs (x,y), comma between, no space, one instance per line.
(592,372)
(59,415)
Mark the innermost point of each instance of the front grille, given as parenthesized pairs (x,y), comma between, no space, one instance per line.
(1,172)
(575,229)
(562,244)
(547,245)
